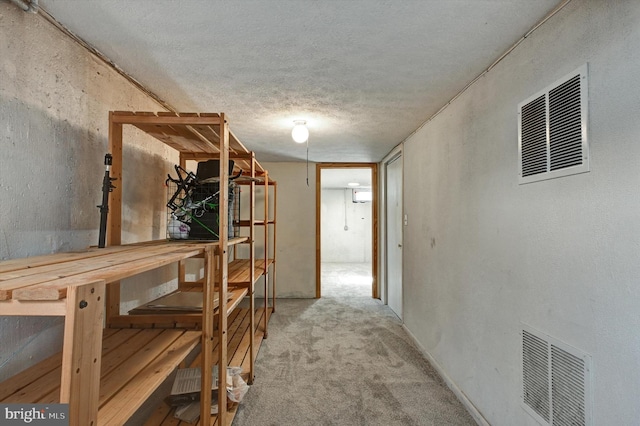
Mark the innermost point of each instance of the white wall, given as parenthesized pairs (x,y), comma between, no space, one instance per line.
(484,255)
(296,229)
(54,103)
(339,245)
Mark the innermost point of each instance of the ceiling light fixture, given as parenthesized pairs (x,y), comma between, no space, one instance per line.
(353,184)
(300,133)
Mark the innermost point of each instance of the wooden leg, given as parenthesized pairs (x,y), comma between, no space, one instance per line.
(81,356)
(113,301)
(266,303)
(181,274)
(273,287)
(252,333)
(222,340)
(207,336)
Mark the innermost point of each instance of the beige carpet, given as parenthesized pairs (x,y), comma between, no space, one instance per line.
(344,359)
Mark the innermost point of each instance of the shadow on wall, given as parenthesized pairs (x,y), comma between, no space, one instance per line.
(19,350)
(144,194)
(51,182)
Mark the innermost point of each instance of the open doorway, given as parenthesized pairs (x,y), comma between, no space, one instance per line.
(346,231)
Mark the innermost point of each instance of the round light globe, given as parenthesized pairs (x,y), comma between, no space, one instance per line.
(300,133)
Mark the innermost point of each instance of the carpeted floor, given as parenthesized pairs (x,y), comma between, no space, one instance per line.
(344,359)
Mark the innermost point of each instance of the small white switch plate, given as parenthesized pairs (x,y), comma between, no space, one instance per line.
(406,220)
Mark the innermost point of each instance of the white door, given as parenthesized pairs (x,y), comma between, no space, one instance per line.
(394,234)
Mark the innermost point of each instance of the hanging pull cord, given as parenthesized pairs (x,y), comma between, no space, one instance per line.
(307,161)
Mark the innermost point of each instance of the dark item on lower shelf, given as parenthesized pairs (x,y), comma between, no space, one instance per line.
(187,398)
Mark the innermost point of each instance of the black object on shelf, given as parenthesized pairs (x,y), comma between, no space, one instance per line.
(107,187)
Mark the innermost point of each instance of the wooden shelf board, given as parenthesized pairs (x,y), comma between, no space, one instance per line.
(50,287)
(238,350)
(134,363)
(173,320)
(239,271)
(255,222)
(27,265)
(49,279)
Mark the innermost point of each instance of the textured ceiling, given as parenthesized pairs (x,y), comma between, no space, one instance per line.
(340,178)
(364,73)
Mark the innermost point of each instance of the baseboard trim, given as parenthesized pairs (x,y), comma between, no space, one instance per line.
(475,413)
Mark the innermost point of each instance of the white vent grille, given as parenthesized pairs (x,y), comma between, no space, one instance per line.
(567,388)
(552,130)
(535,374)
(534,137)
(556,383)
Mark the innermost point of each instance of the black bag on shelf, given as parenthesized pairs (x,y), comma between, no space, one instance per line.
(211,168)
(205,222)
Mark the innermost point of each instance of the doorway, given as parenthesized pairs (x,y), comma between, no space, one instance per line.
(346,231)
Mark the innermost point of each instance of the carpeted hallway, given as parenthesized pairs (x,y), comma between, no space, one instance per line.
(344,359)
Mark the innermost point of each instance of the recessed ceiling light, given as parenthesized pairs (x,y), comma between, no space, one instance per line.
(353,184)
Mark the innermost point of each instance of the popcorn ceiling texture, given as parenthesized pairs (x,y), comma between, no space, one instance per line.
(363,73)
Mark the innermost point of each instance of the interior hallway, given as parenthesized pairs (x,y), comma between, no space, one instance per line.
(344,359)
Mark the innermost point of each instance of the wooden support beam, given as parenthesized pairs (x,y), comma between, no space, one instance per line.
(252,274)
(33,308)
(81,357)
(223,257)
(165,120)
(114,219)
(208,335)
(273,276)
(266,253)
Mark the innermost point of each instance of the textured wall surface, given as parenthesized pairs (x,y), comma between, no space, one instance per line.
(296,229)
(352,245)
(54,103)
(483,255)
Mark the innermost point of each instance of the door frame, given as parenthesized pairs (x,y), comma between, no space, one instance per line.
(398,151)
(374,222)
(394,155)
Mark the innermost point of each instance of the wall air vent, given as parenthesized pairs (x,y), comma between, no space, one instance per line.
(552,130)
(535,374)
(556,381)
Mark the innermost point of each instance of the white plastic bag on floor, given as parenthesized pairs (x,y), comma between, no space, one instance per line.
(238,387)
(236,390)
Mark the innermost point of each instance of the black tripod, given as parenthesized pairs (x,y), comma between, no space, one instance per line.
(107,187)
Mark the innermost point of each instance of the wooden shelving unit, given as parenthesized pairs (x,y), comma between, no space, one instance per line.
(102,378)
(267,262)
(107,374)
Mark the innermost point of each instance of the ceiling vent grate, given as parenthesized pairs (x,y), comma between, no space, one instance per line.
(556,381)
(552,130)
